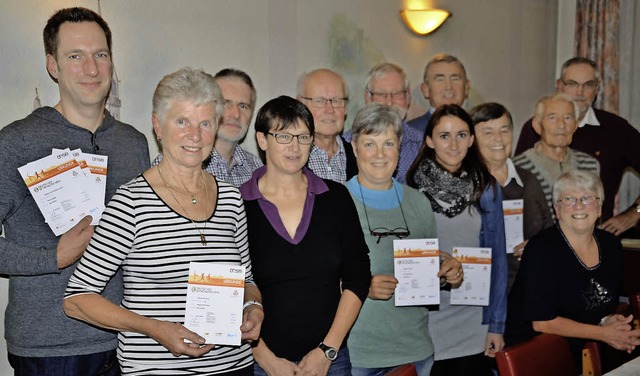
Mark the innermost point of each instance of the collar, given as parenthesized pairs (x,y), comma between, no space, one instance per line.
(315,149)
(512,174)
(381,200)
(431,109)
(53,115)
(237,159)
(250,191)
(411,134)
(589,118)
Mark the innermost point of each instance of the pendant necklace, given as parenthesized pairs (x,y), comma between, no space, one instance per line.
(203,240)
(186,191)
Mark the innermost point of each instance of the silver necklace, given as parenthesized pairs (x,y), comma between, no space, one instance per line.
(203,240)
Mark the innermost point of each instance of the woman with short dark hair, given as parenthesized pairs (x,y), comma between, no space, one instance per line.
(308,252)
(494,137)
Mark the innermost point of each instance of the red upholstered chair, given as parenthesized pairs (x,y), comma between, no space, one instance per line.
(545,354)
(634,303)
(403,370)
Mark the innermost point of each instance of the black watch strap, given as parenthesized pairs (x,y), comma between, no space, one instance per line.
(330,352)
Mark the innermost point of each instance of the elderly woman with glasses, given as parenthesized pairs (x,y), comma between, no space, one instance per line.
(569,275)
(386,336)
(308,253)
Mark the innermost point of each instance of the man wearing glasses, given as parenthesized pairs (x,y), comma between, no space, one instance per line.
(388,84)
(445,82)
(324,93)
(605,136)
(555,122)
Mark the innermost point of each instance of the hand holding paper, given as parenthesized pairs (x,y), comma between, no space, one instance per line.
(73,243)
(172,336)
(451,270)
(382,287)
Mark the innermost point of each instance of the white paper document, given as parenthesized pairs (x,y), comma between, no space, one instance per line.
(476,264)
(215,296)
(58,186)
(415,265)
(513,223)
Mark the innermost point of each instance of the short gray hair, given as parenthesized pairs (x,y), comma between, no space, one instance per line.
(539,109)
(576,179)
(187,84)
(579,60)
(376,118)
(442,58)
(384,68)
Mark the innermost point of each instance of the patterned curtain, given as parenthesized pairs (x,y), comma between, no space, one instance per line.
(597,35)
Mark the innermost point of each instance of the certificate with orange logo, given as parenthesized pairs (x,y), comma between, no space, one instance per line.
(476,264)
(57,184)
(513,223)
(415,265)
(215,295)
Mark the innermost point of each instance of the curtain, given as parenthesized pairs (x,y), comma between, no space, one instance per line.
(597,36)
(630,87)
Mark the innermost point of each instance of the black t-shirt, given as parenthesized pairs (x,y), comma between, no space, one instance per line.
(553,282)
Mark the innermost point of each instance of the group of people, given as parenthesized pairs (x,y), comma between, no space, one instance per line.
(312,220)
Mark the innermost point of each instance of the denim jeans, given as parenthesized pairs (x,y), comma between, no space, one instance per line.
(340,367)
(422,366)
(99,364)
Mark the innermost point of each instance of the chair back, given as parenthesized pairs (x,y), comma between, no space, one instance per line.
(545,354)
(591,359)
(634,303)
(403,370)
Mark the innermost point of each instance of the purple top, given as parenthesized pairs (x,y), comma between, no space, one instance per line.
(315,186)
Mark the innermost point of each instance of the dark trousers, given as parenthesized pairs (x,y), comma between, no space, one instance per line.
(477,365)
(100,364)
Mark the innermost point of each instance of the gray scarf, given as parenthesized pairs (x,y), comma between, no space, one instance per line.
(448,194)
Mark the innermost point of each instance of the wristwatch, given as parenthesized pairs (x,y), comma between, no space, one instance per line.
(637,208)
(329,351)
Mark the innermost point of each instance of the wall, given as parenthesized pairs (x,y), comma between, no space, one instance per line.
(508,47)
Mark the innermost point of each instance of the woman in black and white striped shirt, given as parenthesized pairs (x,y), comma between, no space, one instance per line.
(153,228)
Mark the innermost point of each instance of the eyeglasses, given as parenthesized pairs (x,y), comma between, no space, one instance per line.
(320,102)
(569,202)
(383,232)
(571,84)
(395,96)
(286,138)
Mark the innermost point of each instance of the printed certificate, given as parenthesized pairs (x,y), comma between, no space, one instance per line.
(56,183)
(513,223)
(98,167)
(215,295)
(476,263)
(415,266)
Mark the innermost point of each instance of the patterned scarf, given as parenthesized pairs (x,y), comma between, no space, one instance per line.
(448,194)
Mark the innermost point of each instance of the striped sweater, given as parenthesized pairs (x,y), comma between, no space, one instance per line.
(154,245)
(547,170)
